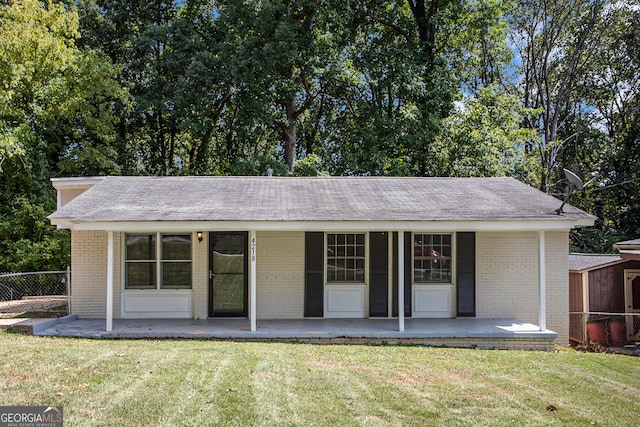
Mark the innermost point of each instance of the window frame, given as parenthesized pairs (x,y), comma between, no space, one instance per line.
(153,261)
(158,261)
(451,269)
(363,258)
(162,261)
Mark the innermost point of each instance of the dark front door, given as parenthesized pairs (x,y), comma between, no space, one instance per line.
(228,274)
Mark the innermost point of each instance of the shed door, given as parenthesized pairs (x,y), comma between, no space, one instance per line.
(228,274)
(632,303)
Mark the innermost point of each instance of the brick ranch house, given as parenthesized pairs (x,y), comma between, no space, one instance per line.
(263,248)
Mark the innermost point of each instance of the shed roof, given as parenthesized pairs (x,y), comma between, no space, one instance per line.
(232,198)
(629,249)
(581,262)
(631,244)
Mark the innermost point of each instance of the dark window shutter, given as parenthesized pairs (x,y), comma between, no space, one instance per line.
(408,273)
(314,274)
(394,275)
(378,274)
(466,274)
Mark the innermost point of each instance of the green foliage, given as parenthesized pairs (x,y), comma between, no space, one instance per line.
(53,93)
(301,87)
(34,52)
(259,165)
(310,165)
(288,54)
(56,117)
(477,45)
(605,137)
(29,243)
(558,47)
(484,138)
(594,240)
(393,93)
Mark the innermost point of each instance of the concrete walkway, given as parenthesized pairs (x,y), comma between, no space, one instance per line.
(379,329)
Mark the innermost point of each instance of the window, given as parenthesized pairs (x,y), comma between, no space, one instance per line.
(143,271)
(176,261)
(432,258)
(141,261)
(345,258)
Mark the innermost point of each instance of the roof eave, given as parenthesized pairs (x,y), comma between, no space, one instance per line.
(584,222)
(627,247)
(597,267)
(61,223)
(453,225)
(630,255)
(76,183)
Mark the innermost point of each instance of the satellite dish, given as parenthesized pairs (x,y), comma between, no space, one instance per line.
(574,182)
(573,179)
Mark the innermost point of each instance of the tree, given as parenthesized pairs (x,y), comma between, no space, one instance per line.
(557,43)
(610,145)
(409,62)
(478,50)
(285,53)
(406,45)
(484,138)
(56,117)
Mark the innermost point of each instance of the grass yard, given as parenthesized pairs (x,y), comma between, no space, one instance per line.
(202,383)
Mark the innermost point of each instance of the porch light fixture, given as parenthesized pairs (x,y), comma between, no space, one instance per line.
(200,235)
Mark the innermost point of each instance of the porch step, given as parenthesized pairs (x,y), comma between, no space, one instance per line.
(33,326)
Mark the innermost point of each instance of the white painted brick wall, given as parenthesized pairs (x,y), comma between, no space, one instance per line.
(280,275)
(507,278)
(557,280)
(201,277)
(89,274)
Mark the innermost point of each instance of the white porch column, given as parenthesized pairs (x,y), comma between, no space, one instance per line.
(110,257)
(401,281)
(542,284)
(252,282)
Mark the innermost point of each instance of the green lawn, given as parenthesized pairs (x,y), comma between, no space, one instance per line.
(201,383)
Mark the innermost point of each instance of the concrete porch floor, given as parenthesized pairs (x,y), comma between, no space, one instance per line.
(307,329)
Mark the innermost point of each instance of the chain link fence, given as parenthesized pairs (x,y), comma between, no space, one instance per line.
(605,329)
(36,294)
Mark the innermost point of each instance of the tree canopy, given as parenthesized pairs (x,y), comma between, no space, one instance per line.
(368,87)
(56,118)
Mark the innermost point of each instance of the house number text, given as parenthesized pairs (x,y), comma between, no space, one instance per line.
(253,249)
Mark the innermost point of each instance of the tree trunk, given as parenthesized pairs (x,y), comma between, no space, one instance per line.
(424,18)
(290,140)
(289,132)
(288,127)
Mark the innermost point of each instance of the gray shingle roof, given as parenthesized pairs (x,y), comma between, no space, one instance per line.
(312,199)
(581,262)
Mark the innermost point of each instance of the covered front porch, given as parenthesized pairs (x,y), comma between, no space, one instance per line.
(476,333)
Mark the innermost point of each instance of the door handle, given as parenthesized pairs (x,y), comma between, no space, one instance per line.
(211,275)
